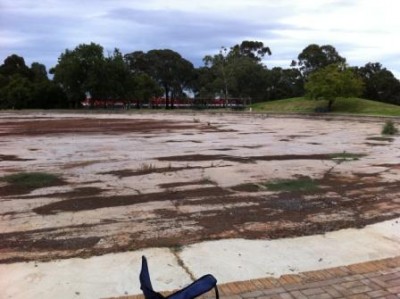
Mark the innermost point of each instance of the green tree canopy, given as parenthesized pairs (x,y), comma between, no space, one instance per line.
(380,84)
(237,72)
(315,57)
(332,82)
(86,71)
(168,68)
(22,87)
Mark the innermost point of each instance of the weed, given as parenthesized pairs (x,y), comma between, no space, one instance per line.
(147,167)
(389,128)
(300,184)
(344,156)
(32,180)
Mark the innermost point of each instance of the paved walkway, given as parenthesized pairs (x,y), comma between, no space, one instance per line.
(374,279)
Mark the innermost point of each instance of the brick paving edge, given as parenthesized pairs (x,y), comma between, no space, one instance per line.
(312,281)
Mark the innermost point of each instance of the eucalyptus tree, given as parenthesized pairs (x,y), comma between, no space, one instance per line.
(237,72)
(173,73)
(315,57)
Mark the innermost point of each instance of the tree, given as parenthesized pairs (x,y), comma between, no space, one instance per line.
(22,87)
(168,68)
(86,71)
(332,82)
(237,72)
(15,65)
(380,83)
(315,57)
(39,72)
(254,50)
(284,83)
(80,72)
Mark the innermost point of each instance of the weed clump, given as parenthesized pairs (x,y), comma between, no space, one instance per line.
(32,180)
(389,128)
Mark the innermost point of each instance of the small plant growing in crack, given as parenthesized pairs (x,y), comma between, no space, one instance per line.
(389,128)
(147,167)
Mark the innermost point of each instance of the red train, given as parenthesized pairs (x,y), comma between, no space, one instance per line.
(160,102)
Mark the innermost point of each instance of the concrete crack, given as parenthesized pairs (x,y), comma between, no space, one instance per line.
(175,252)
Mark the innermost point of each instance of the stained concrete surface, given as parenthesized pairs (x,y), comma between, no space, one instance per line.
(161,184)
(228,260)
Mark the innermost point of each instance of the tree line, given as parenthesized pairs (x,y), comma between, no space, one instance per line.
(239,71)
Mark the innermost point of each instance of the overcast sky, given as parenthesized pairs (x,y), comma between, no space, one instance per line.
(361,30)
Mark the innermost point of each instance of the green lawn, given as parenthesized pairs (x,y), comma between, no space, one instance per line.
(341,106)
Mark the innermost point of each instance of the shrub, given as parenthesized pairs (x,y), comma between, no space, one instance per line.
(389,128)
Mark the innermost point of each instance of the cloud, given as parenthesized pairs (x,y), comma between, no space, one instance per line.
(362,31)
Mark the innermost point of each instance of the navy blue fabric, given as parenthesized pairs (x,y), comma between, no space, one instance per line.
(195,289)
(145,282)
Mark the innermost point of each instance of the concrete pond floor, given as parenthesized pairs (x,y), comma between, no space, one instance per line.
(130,182)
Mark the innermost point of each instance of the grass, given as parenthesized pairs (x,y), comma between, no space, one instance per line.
(344,156)
(300,184)
(342,106)
(32,180)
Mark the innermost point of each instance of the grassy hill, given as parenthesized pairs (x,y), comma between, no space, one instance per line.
(341,106)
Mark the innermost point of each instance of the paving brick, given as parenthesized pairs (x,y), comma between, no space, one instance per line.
(351,284)
(390,276)
(314,291)
(234,288)
(298,295)
(273,291)
(378,294)
(288,279)
(231,297)
(269,283)
(320,296)
(285,296)
(332,291)
(394,290)
(371,284)
(252,294)
(323,283)
(224,289)
(394,282)
(358,296)
(354,277)
(379,282)
(360,289)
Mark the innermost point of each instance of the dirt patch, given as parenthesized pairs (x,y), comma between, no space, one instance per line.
(380,138)
(92,203)
(12,158)
(252,159)
(150,169)
(95,126)
(184,184)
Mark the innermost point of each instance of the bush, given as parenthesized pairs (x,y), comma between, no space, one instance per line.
(389,128)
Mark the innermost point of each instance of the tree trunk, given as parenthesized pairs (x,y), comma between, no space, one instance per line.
(166,97)
(330,104)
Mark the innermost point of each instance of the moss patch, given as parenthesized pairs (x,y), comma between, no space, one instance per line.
(24,182)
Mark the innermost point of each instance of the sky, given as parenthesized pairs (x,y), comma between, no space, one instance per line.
(362,31)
